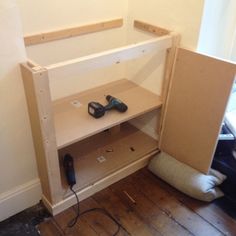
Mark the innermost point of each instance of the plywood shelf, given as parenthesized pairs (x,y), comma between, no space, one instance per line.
(118,151)
(73,123)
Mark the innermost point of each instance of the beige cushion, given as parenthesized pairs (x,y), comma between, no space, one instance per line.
(187,179)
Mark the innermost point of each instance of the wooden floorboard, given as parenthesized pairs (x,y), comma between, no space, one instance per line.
(211,213)
(170,204)
(131,221)
(99,222)
(150,213)
(81,227)
(144,205)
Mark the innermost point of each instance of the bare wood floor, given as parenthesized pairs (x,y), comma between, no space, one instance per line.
(153,208)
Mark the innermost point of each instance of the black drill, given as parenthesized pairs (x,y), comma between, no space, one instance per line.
(97,110)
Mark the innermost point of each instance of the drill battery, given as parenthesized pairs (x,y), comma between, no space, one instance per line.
(96,109)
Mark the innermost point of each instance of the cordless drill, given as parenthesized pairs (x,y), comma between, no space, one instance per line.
(97,110)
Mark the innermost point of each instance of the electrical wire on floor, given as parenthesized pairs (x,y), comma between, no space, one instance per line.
(101,210)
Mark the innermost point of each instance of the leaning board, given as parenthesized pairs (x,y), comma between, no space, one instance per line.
(199,92)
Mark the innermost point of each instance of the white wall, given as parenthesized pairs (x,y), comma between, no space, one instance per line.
(61,14)
(17,162)
(19,185)
(46,15)
(18,173)
(179,15)
(217,35)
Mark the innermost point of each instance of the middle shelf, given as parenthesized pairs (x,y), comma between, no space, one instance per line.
(73,123)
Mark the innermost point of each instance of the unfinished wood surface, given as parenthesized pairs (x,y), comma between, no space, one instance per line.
(151,28)
(103,183)
(198,95)
(169,66)
(105,153)
(73,123)
(158,210)
(31,63)
(71,32)
(108,58)
(40,112)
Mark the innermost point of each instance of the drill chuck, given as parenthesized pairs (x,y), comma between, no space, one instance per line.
(115,103)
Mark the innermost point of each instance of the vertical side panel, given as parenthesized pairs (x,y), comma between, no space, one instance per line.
(195,107)
(169,65)
(40,112)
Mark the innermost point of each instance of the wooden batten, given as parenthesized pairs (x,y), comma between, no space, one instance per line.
(71,32)
(169,66)
(39,107)
(151,28)
(108,58)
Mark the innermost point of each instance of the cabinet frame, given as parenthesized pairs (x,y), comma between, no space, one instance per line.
(36,83)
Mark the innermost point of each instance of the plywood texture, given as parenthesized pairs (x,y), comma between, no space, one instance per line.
(74,123)
(195,107)
(105,153)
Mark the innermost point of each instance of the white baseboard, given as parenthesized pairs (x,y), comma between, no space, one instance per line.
(19,198)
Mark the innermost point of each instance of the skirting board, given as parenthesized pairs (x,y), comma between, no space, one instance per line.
(99,185)
(19,198)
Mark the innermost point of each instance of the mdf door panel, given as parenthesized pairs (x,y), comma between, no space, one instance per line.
(195,107)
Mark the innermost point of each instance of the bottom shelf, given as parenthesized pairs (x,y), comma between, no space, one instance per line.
(105,153)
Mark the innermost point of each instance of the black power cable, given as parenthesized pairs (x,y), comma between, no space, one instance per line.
(101,210)
(74,220)
(68,165)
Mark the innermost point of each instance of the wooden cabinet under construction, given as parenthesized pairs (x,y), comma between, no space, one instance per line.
(172,96)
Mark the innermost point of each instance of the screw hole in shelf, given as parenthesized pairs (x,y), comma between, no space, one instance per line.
(132,149)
